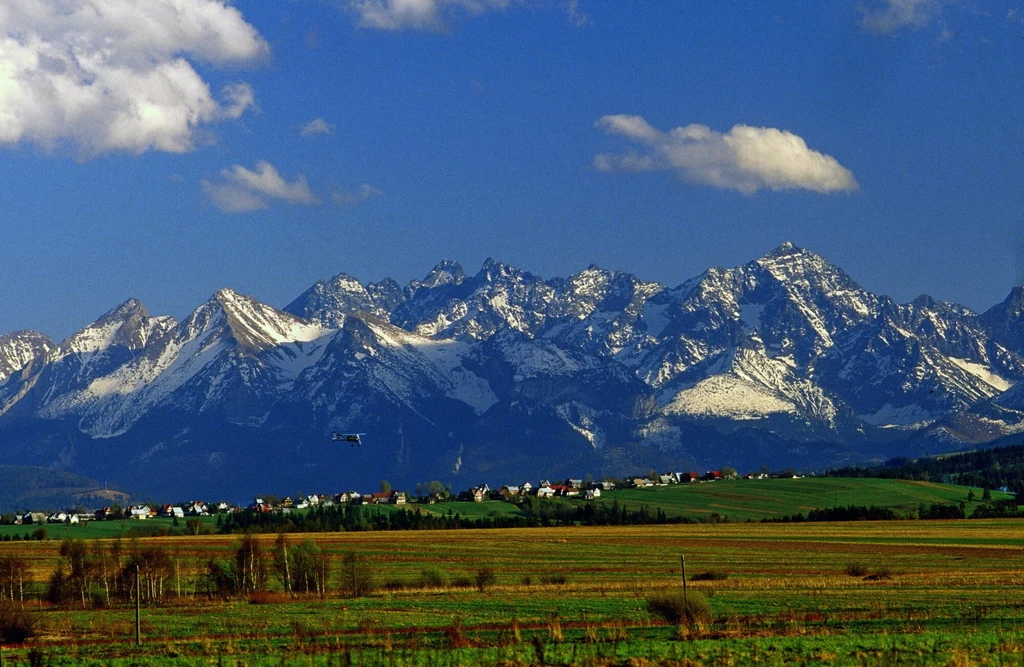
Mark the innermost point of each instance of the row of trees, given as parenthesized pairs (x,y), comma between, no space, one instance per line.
(99,573)
(534,512)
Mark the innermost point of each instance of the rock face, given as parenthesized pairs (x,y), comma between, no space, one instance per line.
(502,376)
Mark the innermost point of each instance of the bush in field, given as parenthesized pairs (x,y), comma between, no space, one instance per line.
(485,578)
(710,575)
(432,577)
(671,606)
(16,624)
(856,569)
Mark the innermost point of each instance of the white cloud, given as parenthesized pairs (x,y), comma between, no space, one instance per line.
(115,75)
(316,126)
(746,158)
(896,14)
(363,192)
(417,14)
(435,15)
(239,189)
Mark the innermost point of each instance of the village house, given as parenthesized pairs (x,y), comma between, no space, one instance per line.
(477,494)
(592,494)
(642,482)
(198,508)
(712,475)
(398,498)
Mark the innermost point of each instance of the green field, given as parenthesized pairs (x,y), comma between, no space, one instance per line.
(950,593)
(740,500)
(105,529)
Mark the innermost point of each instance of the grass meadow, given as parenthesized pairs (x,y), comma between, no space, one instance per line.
(925,592)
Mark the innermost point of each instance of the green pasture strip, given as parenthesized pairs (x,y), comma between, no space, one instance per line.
(655,645)
(106,529)
(740,500)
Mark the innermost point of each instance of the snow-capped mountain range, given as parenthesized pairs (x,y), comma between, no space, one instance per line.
(502,375)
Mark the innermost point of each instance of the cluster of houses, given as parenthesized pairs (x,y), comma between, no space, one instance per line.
(569,488)
(194,509)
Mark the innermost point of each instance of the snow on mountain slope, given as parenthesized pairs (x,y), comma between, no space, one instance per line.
(747,384)
(229,334)
(983,373)
(21,348)
(730,397)
(415,359)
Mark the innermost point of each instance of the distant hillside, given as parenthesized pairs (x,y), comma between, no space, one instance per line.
(30,488)
(741,500)
(992,468)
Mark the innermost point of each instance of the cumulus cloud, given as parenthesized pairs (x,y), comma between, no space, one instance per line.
(316,126)
(362,193)
(745,159)
(239,190)
(118,75)
(893,15)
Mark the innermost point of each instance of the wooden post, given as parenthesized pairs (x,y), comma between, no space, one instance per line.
(138,608)
(686,603)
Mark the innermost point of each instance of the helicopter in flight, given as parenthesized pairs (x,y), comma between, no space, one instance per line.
(351,438)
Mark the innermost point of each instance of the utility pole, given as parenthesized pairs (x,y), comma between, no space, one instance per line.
(686,603)
(138,608)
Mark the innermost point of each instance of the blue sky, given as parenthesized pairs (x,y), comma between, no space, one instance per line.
(164,149)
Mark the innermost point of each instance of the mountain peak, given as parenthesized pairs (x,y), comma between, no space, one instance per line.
(132,306)
(785,249)
(447,272)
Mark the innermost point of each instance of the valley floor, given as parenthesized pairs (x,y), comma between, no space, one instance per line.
(864,593)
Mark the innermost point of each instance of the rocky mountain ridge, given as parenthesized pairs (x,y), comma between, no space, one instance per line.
(782,361)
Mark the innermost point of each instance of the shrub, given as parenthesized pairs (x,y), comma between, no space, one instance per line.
(462,582)
(16,624)
(485,578)
(856,569)
(674,608)
(556,579)
(710,575)
(394,585)
(432,577)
